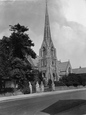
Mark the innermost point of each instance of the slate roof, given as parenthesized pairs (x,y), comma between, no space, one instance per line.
(62,73)
(33,62)
(63,66)
(30,61)
(79,70)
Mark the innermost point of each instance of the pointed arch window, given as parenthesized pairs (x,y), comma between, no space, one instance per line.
(44,52)
(54,77)
(69,70)
(53,63)
(43,63)
(52,52)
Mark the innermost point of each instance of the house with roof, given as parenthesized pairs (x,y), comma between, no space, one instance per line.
(79,70)
(47,62)
(64,68)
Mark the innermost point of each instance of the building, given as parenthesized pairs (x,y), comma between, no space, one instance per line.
(64,68)
(47,54)
(79,70)
(47,62)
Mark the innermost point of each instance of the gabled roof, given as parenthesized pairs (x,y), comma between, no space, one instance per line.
(30,61)
(62,73)
(47,32)
(79,70)
(63,66)
(33,62)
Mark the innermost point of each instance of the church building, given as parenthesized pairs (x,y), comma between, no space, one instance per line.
(47,62)
(47,54)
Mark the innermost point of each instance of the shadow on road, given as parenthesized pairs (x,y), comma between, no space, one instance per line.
(67,105)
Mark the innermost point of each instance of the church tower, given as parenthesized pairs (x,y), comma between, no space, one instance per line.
(47,53)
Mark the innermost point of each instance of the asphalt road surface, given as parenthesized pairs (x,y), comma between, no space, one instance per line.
(69,103)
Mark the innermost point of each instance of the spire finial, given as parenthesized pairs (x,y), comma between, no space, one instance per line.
(46,2)
(46,8)
(46,5)
(47,33)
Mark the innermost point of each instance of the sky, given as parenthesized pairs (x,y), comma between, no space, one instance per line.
(67,23)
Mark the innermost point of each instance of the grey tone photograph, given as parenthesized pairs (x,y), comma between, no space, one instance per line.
(42,57)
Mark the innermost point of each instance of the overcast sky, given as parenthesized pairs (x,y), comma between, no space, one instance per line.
(67,22)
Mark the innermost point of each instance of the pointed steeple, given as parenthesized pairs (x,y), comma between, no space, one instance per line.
(48,60)
(47,33)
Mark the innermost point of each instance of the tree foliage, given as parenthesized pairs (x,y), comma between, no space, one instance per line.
(20,42)
(13,55)
(74,79)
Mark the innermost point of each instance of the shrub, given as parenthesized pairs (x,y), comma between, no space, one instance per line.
(59,83)
(26,90)
(5,90)
(75,84)
(70,83)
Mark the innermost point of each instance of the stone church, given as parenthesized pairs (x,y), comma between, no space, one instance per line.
(47,62)
(47,53)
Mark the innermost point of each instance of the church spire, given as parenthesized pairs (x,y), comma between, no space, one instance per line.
(47,53)
(47,33)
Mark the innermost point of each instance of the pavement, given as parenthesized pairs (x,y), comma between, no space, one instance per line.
(45,103)
(23,96)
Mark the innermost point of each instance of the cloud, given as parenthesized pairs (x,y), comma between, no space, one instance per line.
(17,0)
(67,21)
(29,14)
(25,14)
(69,36)
(69,10)
(37,40)
(33,36)
(6,32)
(76,11)
(70,41)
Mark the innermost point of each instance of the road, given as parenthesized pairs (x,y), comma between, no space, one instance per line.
(54,103)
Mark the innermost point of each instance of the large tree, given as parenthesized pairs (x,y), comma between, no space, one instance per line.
(13,54)
(5,64)
(20,42)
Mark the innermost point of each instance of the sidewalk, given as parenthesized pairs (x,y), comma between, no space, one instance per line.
(20,97)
